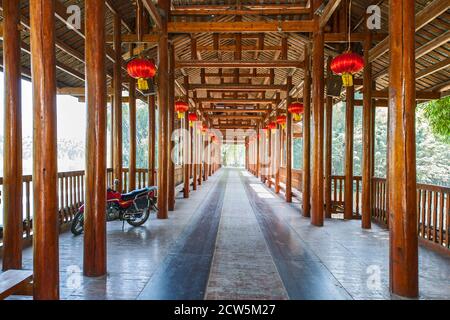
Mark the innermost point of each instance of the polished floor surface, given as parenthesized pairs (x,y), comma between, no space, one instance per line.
(236,239)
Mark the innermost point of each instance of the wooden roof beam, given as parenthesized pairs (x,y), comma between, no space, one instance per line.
(215,110)
(239,26)
(153,11)
(328,11)
(239,64)
(355,37)
(424,49)
(272,6)
(424,17)
(239,101)
(234,117)
(239,12)
(236,87)
(441,65)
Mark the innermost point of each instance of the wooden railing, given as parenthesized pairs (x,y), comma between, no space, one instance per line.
(70,198)
(433,205)
(433,211)
(71,194)
(337,195)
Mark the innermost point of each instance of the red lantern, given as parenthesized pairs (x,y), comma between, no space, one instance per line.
(281,120)
(181,107)
(297,110)
(141,69)
(192,118)
(204,129)
(271,126)
(346,65)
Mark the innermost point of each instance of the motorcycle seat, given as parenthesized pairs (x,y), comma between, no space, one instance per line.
(133,194)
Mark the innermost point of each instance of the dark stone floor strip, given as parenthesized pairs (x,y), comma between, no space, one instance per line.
(302,273)
(184,273)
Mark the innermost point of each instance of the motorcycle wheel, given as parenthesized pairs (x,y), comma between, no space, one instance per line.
(137,222)
(78,224)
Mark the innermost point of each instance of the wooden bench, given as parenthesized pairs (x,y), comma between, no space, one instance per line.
(16,282)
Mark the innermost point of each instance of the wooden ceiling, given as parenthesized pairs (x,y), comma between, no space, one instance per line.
(269,38)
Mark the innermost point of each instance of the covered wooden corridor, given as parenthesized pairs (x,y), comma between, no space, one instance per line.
(256,246)
(257,73)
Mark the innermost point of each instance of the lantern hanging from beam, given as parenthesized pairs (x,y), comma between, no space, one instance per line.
(141,69)
(281,120)
(271,126)
(181,108)
(204,129)
(346,65)
(297,110)
(192,118)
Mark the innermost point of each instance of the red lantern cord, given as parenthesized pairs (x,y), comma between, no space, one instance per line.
(141,69)
(181,108)
(297,110)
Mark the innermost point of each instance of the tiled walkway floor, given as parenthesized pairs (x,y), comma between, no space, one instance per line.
(234,238)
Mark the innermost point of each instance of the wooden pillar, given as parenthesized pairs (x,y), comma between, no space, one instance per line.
(288,143)
(151,140)
(194,156)
(269,155)
(117,105)
(111,137)
(200,157)
(45,161)
(258,154)
(132,112)
(401,173)
(348,157)
(317,193)
(186,146)
(367,139)
(277,148)
(171,195)
(328,147)
(306,177)
(12,156)
(95,191)
(163,102)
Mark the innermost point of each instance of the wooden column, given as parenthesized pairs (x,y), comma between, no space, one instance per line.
(163,103)
(117,105)
(94,261)
(12,154)
(199,157)
(288,143)
(328,147)
(306,196)
(45,161)
(132,111)
(278,158)
(269,155)
(348,157)
(401,173)
(171,196)
(194,156)
(151,140)
(186,146)
(367,139)
(317,194)
(258,154)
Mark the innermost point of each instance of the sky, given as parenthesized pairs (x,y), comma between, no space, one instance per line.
(71,114)
(71,125)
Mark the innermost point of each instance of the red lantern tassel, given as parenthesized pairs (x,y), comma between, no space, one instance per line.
(142,84)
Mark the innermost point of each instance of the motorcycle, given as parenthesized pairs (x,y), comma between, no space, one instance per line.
(133,207)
